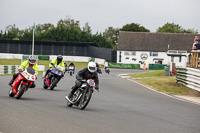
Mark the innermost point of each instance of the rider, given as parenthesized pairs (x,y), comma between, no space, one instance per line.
(86,73)
(57,61)
(30,62)
(72,64)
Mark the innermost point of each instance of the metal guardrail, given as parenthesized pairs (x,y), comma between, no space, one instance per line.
(189,77)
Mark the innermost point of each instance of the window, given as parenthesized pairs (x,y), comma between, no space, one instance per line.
(129,53)
(153,53)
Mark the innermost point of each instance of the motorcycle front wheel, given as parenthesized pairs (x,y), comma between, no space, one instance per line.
(10,93)
(71,73)
(45,86)
(85,99)
(21,91)
(53,84)
(69,104)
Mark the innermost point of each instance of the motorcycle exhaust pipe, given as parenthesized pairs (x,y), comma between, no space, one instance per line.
(66,97)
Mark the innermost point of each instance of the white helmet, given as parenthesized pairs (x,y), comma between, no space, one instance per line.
(32,59)
(92,67)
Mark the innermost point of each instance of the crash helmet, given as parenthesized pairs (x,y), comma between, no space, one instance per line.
(32,59)
(92,67)
(59,58)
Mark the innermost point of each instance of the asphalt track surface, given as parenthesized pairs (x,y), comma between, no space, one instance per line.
(121,106)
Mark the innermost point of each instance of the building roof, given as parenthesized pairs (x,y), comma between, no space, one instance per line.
(158,42)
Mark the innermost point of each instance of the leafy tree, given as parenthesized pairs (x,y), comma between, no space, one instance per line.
(101,41)
(11,32)
(42,30)
(112,35)
(134,27)
(175,28)
(86,33)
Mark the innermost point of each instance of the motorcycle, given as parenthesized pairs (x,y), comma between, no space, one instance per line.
(23,81)
(107,70)
(71,70)
(82,95)
(99,70)
(53,77)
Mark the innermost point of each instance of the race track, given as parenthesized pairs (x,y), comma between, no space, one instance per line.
(121,106)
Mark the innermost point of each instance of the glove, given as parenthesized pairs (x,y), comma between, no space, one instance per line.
(97,88)
(20,70)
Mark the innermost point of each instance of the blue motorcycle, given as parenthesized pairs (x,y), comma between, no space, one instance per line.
(53,77)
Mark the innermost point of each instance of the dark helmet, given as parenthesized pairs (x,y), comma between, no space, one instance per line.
(59,58)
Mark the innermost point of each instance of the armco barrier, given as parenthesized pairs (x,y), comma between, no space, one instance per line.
(189,77)
(124,66)
(8,69)
(157,66)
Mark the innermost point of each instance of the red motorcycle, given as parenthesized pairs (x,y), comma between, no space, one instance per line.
(23,81)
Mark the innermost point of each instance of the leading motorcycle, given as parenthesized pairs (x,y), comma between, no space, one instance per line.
(53,77)
(82,95)
(23,81)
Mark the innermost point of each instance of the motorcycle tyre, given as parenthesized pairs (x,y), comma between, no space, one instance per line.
(70,73)
(10,93)
(69,104)
(55,81)
(21,91)
(88,100)
(45,86)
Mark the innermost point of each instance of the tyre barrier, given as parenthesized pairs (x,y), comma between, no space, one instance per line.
(189,77)
(8,69)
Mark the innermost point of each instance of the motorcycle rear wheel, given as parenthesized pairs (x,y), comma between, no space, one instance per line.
(21,91)
(85,100)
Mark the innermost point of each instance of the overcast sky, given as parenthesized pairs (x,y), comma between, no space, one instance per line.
(101,14)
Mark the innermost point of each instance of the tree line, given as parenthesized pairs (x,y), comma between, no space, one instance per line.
(69,30)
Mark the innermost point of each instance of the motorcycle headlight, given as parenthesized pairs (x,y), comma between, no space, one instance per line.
(60,73)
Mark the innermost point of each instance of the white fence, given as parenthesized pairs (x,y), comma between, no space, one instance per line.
(11,69)
(189,77)
(8,69)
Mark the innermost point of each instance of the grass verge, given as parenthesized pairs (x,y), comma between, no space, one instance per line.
(159,82)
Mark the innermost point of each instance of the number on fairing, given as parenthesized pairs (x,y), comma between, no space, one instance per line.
(91,82)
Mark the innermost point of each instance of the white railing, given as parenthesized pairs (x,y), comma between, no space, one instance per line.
(189,77)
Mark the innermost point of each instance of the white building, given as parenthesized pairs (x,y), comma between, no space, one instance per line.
(154,48)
